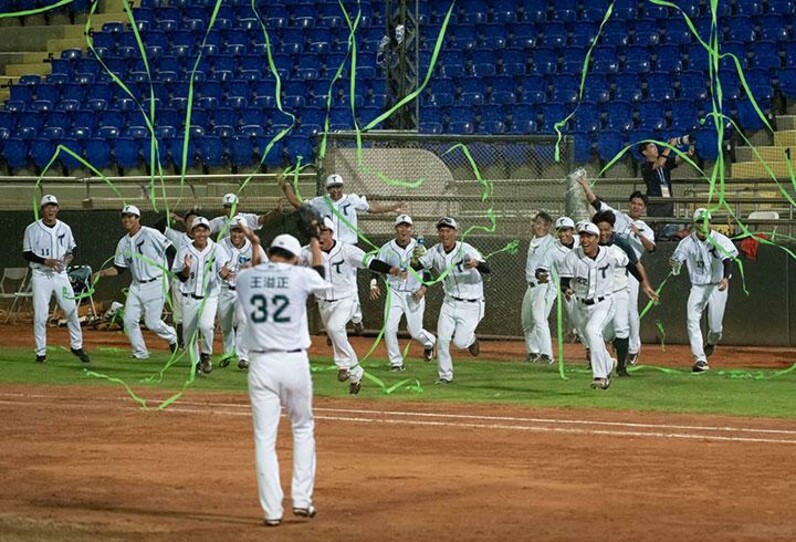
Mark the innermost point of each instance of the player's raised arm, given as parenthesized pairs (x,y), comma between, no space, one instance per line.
(376,208)
(290,194)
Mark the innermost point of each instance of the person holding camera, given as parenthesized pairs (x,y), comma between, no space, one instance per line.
(657,172)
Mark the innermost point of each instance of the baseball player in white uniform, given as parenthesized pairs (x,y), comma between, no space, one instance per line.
(342,210)
(143,251)
(243,251)
(220,225)
(337,304)
(406,295)
(708,255)
(538,301)
(587,275)
(49,246)
(200,266)
(273,298)
(462,309)
(566,242)
(619,329)
(641,238)
(178,240)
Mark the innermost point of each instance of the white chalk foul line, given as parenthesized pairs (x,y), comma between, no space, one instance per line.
(243,410)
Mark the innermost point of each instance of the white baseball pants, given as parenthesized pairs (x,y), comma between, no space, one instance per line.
(705,297)
(199,319)
(619,326)
(176,302)
(635,319)
(276,380)
(536,307)
(400,304)
(356,317)
(335,315)
(595,318)
(457,322)
(44,286)
(232,325)
(148,299)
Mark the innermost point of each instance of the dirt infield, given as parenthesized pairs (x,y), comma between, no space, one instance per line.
(80,467)
(83,463)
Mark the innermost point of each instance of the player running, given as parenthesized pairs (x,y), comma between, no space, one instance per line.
(143,250)
(243,251)
(461,266)
(406,296)
(708,255)
(337,304)
(537,302)
(273,298)
(49,246)
(200,266)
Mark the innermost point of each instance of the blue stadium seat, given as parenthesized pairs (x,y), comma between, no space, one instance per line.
(583,147)
(533,11)
(494,36)
(651,116)
(637,59)
(555,35)
(609,144)
(781,7)
(774,28)
(742,29)
(620,117)
(42,150)
(552,113)
(241,151)
(583,34)
(765,55)
(504,11)
(15,152)
(524,36)
(647,33)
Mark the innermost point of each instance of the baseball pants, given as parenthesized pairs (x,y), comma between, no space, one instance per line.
(176,302)
(44,286)
(400,304)
(457,323)
(356,317)
(148,299)
(199,319)
(619,326)
(635,318)
(705,297)
(232,325)
(279,379)
(595,318)
(536,307)
(335,315)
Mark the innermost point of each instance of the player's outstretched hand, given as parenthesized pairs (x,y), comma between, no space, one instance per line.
(724,283)
(568,293)
(188,261)
(374,289)
(418,295)
(650,293)
(401,208)
(542,277)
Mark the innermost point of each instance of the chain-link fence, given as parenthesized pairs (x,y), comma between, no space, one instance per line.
(518,177)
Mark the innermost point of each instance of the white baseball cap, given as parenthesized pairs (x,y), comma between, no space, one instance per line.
(287,242)
(328,224)
(447,222)
(333,180)
(403,219)
(588,227)
(131,210)
(702,214)
(200,221)
(49,199)
(565,222)
(237,221)
(229,200)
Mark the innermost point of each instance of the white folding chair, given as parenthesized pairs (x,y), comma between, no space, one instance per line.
(21,292)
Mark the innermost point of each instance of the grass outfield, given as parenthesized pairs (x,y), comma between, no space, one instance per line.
(739,394)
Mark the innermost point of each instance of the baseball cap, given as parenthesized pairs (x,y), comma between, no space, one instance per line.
(131,210)
(702,214)
(200,221)
(328,224)
(49,199)
(565,222)
(588,227)
(287,242)
(237,222)
(333,180)
(229,200)
(403,219)
(447,222)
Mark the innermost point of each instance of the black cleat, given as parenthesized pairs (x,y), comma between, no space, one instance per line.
(273,522)
(622,371)
(225,361)
(397,368)
(359,329)
(41,359)
(442,382)
(700,367)
(428,353)
(343,375)
(309,512)
(354,387)
(243,364)
(475,348)
(81,354)
(709,348)
(204,362)
(173,347)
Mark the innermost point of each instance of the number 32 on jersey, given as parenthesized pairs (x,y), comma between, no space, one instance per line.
(263,308)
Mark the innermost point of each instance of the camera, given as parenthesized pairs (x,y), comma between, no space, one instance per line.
(687,139)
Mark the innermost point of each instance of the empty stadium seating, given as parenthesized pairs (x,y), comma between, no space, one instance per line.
(507,66)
